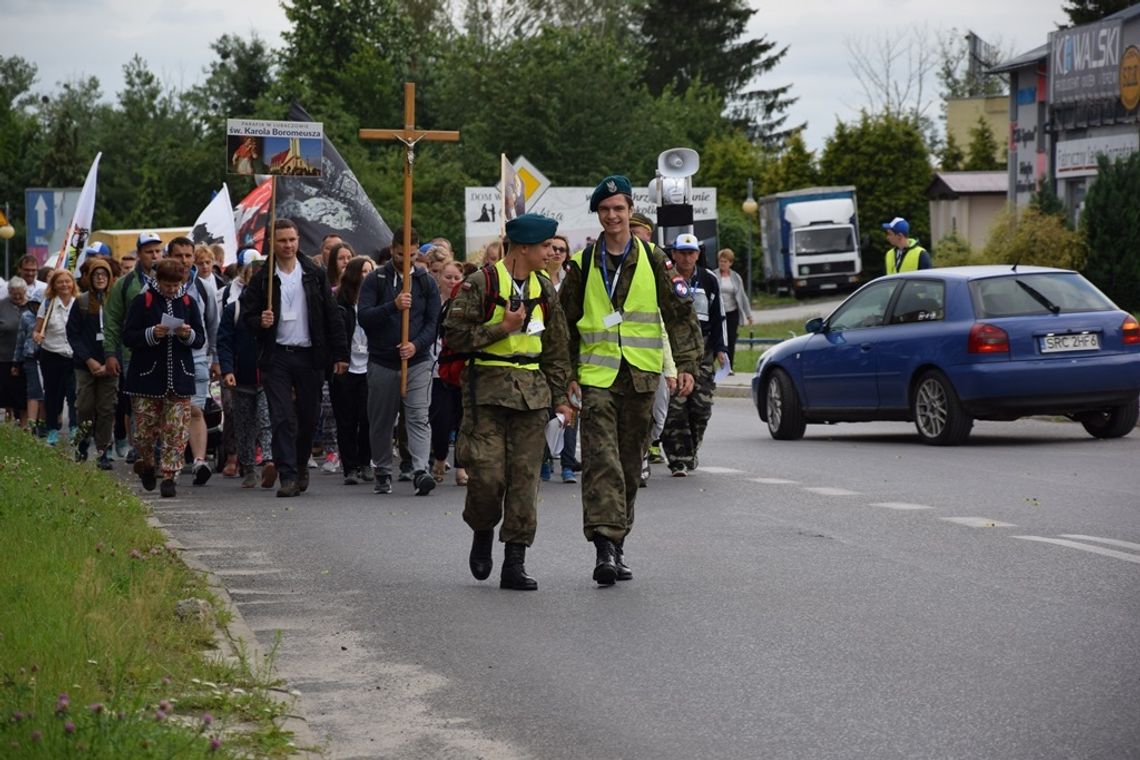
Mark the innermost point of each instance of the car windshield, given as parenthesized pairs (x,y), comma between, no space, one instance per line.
(1017,295)
(826,240)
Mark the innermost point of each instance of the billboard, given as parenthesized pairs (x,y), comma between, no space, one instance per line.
(571,207)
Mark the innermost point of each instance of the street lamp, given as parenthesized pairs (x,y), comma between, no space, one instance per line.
(6,233)
(749,207)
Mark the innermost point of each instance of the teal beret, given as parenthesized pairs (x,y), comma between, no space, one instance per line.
(531,228)
(615,184)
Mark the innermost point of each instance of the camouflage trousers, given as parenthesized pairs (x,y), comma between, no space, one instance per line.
(502,449)
(614,431)
(688,418)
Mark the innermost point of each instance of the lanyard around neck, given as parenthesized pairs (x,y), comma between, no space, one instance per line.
(617,270)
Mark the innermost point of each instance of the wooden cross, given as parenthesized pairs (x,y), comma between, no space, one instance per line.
(409,136)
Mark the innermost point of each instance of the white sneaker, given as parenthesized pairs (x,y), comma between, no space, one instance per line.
(332,463)
(313,464)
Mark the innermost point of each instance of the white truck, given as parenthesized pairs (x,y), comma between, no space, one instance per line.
(810,240)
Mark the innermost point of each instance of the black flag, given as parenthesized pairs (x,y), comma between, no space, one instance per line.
(335,203)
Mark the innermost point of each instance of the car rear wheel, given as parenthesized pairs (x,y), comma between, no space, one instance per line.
(782,403)
(938,414)
(1115,423)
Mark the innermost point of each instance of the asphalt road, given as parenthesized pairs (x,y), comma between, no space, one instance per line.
(852,595)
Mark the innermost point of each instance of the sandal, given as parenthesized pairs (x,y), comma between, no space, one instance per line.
(460,476)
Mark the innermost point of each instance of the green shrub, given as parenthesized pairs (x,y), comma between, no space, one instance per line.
(1032,237)
(952,251)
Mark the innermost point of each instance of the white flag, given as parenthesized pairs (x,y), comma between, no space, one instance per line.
(71,252)
(216,225)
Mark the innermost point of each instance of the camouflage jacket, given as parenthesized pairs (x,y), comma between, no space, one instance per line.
(465,331)
(685,337)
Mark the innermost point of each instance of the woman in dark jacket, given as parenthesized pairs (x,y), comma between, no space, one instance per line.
(237,356)
(96,389)
(349,392)
(160,381)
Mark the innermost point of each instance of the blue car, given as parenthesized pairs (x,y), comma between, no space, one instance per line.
(943,347)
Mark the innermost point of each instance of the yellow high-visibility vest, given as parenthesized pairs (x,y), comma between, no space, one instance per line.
(517,347)
(636,338)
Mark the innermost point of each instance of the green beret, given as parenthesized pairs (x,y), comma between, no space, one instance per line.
(615,184)
(531,228)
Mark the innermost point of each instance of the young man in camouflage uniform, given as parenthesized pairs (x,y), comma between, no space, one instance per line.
(518,368)
(615,294)
(689,417)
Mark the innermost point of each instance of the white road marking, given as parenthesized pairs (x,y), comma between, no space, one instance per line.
(719,470)
(978,522)
(775,481)
(1109,541)
(902,505)
(1084,547)
(828,491)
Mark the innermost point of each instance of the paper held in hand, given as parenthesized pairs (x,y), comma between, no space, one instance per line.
(555,433)
(172,323)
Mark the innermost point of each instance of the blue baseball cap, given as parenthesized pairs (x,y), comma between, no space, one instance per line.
(898,225)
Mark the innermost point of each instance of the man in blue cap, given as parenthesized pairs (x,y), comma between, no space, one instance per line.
(905,254)
(507,323)
(616,293)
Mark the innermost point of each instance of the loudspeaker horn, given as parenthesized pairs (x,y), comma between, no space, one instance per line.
(678,162)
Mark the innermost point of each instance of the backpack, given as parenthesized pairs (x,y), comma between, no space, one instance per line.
(451,362)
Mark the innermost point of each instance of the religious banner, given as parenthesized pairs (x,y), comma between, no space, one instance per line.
(334,204)
(80,227)
(512,191)
(283,148)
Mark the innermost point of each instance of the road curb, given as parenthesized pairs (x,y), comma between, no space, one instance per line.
(734,390)
(237,637)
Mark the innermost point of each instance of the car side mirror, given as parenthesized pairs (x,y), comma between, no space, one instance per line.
(814,325)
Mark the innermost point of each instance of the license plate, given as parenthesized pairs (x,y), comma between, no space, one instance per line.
(1051,344)
(828,286)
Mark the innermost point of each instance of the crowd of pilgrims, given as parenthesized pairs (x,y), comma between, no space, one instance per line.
(54,323)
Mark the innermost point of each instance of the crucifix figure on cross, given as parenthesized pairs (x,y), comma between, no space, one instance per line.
(409,136)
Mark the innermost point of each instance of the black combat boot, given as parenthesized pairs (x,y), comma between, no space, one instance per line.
(623,571)
(481,561)
(514,570)
(605,568)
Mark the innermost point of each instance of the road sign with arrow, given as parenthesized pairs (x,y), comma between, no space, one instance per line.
(48,211)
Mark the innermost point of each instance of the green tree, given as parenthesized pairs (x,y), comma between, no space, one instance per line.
(964,73)
(983,152)
(1111,226)
(886,159)
(951,157)
(69,120)
(1087,11)
(158,168)
(19,134)
(794,168)
(1046,200)
(550,117)
(685,42)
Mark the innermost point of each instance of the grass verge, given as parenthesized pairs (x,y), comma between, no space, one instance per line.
(747,356)
(93,659)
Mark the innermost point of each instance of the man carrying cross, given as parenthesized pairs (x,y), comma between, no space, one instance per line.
(384,302)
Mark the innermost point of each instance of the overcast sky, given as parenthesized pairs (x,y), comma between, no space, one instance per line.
(71,38)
